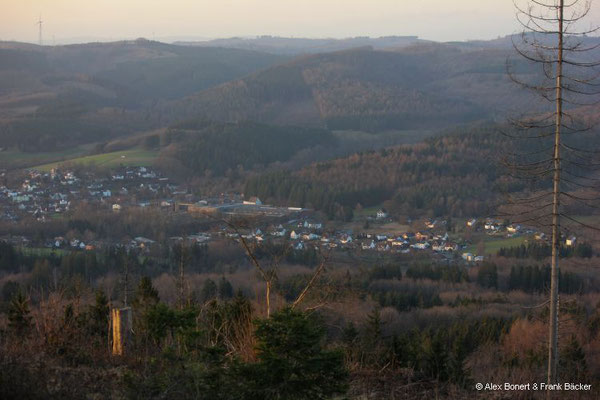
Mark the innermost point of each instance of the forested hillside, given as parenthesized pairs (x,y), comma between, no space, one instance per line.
(458,174)
(207,148)
(425,85)
(61,96)
(455,175)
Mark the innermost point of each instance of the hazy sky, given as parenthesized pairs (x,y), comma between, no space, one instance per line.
(442,20)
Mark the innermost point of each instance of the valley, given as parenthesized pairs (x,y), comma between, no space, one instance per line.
(287,218)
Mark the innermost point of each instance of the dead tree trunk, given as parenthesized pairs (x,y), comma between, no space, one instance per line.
(554,38)
(553,326)
(121,323)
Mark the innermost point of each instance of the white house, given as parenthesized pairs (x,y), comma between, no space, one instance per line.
(59,241)
(382,213)
(279,233)
(383,247)
(431,224)
(346,239)
(450,247)
(513,228)
(491,226)
(313,225)
(253,201)
(540,236)
(437,246)
(199,238)
(370,246)
(399,242)
(143,241)
(310,236)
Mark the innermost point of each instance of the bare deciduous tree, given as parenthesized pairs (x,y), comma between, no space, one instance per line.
(269,273)
(554,157)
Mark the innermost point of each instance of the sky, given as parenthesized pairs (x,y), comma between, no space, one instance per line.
(68,21)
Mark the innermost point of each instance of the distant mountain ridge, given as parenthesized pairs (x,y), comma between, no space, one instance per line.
(296,46)
(54,97)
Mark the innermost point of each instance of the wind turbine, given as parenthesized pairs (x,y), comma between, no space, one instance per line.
(39,23)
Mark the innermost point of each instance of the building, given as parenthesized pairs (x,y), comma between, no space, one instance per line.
(513,228)
(382,213)
(253,201)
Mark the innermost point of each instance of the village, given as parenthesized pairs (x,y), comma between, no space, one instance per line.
(46,196)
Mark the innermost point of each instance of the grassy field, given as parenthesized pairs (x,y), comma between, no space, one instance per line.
(593,220)
(14,159)
(493,244)
(366,212)
(42,251)
(391,228)
(133,157)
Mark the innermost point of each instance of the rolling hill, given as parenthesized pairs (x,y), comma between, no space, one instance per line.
(196,148)
(62,96)
(53,99)
(426,85)
(461,172)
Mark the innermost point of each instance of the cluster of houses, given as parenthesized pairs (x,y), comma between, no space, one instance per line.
(237,205)
(307,233)
(60,242)
(494,227)
(497,227)
(469,257)
(43,195)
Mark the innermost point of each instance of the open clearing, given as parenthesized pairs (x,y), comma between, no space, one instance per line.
(15,159)
(391,228)
(493,244)
(133,157)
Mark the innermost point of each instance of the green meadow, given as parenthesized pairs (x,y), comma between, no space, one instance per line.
(14,159)
(493,244)
(133,157)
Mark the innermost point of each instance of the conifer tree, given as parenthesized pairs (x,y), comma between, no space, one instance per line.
(19,318)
